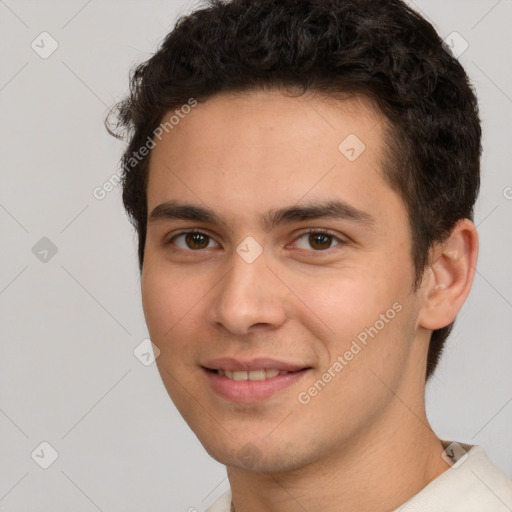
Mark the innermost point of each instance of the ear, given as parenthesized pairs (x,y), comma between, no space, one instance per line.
(448,279)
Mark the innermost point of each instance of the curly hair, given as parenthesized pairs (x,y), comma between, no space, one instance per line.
(378,48)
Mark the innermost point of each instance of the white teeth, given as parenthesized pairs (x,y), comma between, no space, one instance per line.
(252,375)
(256,374)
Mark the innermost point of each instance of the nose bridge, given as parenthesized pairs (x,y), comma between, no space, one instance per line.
(249,294)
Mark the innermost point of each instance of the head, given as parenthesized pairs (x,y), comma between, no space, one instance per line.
(245,109)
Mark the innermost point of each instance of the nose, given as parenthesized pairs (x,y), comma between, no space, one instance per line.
(249,297)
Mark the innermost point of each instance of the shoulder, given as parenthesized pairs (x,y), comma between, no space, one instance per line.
(472,484)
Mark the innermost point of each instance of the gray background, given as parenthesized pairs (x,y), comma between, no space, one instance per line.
(69,325)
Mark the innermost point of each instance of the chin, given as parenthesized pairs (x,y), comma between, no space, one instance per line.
(260,459)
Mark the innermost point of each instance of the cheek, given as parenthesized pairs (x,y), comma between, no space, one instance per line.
(367,313)
(346,299)
(171,306)
(174,302)
(156,302)
(166,298)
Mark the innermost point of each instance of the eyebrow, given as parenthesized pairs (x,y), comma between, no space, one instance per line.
(337,209)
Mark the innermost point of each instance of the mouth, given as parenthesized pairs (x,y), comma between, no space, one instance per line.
(254,375)
(252,381)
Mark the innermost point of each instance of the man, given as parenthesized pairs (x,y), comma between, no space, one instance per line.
(302,176)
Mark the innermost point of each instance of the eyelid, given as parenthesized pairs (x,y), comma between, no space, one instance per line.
(169,239)
(341,241)
(312,231)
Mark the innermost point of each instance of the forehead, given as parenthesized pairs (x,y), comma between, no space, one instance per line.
(248,153)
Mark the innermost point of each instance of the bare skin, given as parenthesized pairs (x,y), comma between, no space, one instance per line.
(362,442)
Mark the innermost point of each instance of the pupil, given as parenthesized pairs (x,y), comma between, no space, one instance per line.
(320,239)
(196,240)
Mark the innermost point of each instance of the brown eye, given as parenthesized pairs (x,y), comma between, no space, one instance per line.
(192,240)
(320,241)
(197,240)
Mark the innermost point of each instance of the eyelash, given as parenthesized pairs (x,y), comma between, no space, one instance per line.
(313,231)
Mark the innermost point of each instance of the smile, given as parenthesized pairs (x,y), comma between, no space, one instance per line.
(252,375)
(251,386)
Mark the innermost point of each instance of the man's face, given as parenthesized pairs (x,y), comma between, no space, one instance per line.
(332,308)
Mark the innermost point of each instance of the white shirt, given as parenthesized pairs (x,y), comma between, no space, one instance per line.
(472,484)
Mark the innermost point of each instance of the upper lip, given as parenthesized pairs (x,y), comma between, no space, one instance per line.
(267,363)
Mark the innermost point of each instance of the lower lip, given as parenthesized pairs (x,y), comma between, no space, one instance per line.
(247,391)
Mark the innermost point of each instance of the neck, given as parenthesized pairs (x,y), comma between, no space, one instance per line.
(378,471)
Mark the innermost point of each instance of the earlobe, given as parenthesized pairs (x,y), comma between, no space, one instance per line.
(449,277)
